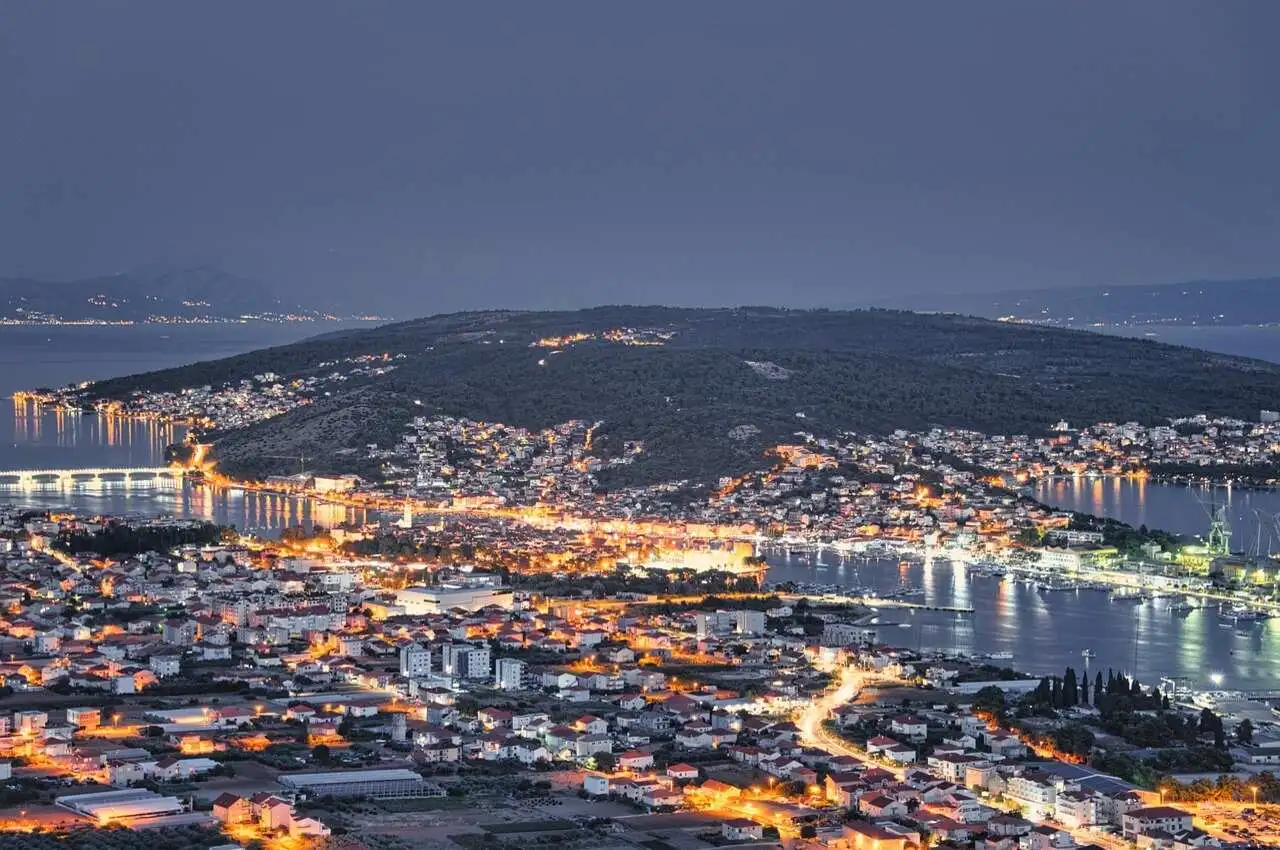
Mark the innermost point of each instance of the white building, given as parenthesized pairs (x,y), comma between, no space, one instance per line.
(415,660)
(1075,537)
(335,483)
(1036,794)
(417,601)
(464,661)
(166,665)
(847,634)
(748,622)
(508,674)
(1164,818)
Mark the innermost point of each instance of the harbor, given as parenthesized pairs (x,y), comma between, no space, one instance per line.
(1042,626)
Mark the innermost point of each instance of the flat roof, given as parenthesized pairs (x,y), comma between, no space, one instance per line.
(120,804)
(96,796)
(338,776)
(1100,782)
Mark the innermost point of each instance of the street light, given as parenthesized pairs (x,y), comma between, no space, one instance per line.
(1254,789)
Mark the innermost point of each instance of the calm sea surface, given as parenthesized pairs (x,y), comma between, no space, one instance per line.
(32,438)
(1045,631)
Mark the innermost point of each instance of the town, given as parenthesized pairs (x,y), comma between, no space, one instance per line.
(170,675)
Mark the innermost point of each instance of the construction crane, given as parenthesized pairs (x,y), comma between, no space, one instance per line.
(301,459)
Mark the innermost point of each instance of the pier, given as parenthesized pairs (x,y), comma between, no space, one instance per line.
(29,478)
(876,602)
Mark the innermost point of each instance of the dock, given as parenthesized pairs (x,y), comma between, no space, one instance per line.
(877,602)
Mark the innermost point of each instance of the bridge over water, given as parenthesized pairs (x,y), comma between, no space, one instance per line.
(27,478)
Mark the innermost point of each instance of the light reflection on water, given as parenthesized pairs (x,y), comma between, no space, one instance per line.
(51,438)
(264,514)
(1047,630)
(1176,508)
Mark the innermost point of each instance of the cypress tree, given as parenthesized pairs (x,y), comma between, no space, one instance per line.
(1070,688)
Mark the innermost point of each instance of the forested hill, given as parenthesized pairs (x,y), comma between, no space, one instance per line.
(684,380)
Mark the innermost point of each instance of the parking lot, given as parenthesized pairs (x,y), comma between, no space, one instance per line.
(1258,825)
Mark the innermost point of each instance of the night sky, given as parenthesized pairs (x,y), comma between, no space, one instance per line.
(430,157)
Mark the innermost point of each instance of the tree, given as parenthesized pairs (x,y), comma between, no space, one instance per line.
(1097,687)
(1084,691)
(989,700)
(1074,739)
(346,726)
(606,761)
(1244,731)
(320,753)
(1070,688)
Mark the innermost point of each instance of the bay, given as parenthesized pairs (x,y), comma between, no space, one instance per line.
(32,437)
(1260,341)
(1251,512)
(1047,631)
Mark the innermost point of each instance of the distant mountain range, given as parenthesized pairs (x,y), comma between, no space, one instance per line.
(709,391)
(1206,302)
(183,295)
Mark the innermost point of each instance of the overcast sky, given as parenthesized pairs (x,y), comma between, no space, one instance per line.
(432,156)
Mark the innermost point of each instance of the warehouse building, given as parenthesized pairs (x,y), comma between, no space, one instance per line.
(136,808)
(417,601)
(398,782)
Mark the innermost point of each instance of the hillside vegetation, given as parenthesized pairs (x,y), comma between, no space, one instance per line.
(780,371)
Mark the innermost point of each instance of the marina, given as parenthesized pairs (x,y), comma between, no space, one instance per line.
(1044,631)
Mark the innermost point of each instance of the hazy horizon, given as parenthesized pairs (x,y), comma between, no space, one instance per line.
(422,159)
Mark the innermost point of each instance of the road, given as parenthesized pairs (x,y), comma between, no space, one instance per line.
(815,734)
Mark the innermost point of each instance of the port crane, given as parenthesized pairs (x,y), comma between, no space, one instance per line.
(1218,541)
